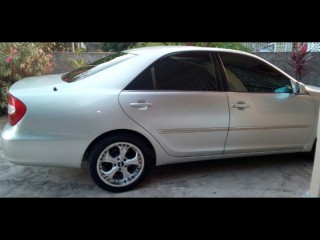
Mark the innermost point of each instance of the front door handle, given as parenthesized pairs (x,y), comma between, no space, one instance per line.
(141,105)
(240,105)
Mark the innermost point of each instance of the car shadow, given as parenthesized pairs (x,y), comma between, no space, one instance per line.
(280,165)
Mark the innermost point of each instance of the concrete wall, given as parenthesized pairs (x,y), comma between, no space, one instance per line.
(61,60)
(312,76)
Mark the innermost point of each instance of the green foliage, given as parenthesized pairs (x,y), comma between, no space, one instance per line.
(120,46)
(228,45)
(20,60)
(116,46)
(78,61)
(59,46)
(152,44)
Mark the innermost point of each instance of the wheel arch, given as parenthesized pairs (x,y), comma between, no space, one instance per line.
(120,131)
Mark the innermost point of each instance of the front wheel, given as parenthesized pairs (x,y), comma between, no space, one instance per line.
(312,154)
(119,163)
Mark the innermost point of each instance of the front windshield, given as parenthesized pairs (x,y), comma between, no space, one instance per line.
(95,67)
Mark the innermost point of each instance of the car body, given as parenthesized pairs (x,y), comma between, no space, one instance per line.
(160,105)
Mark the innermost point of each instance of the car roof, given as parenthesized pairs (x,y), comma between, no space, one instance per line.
(171,49)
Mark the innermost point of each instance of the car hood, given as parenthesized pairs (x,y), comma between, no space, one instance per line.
(37,82)
(310,88)
(314,92)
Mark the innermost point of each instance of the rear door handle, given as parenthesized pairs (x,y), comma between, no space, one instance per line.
(141,105)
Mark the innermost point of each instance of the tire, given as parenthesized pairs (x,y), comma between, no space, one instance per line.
(312,154)
(119,163)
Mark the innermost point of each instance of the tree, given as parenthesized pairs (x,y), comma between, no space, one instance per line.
(19,60)
(229,45)
(116,46)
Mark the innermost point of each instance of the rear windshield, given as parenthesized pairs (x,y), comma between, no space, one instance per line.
(95,67)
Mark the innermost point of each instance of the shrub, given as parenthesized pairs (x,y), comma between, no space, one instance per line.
(78,61)
(120,46)
(20,60)
(229,45)
(59,46)
(116,46)
(299,59)
(152,44)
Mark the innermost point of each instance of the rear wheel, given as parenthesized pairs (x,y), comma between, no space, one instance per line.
(119,163)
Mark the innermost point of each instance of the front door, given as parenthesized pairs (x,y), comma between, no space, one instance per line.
(269,122)
(264,113)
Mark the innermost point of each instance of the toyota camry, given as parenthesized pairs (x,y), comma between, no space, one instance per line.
(152,106)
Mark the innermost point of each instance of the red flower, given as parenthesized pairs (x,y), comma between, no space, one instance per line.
(9,59)
(15,51)
(304,48)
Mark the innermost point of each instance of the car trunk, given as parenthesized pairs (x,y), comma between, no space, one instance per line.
(37,82)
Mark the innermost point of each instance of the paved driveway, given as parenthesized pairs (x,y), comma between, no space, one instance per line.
(286,175)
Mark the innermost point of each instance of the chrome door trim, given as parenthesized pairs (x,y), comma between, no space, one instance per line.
(268,127)
(190,130)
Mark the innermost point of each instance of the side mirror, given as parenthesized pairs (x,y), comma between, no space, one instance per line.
(284,89)
(296,88)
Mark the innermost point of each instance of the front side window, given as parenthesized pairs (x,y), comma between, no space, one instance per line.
(247,74)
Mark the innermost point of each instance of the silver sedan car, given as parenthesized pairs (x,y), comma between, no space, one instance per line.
(152,106)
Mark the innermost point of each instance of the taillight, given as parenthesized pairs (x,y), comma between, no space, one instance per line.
(16,110)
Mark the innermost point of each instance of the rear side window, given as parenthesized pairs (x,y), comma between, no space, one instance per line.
(193,71)
(247,74)
(144,81)
(95,67)
(186,72)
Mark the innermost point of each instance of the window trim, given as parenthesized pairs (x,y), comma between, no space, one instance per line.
(153,79)
(222,76)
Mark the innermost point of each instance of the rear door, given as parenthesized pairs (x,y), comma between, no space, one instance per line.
(178,100)
(265,115)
